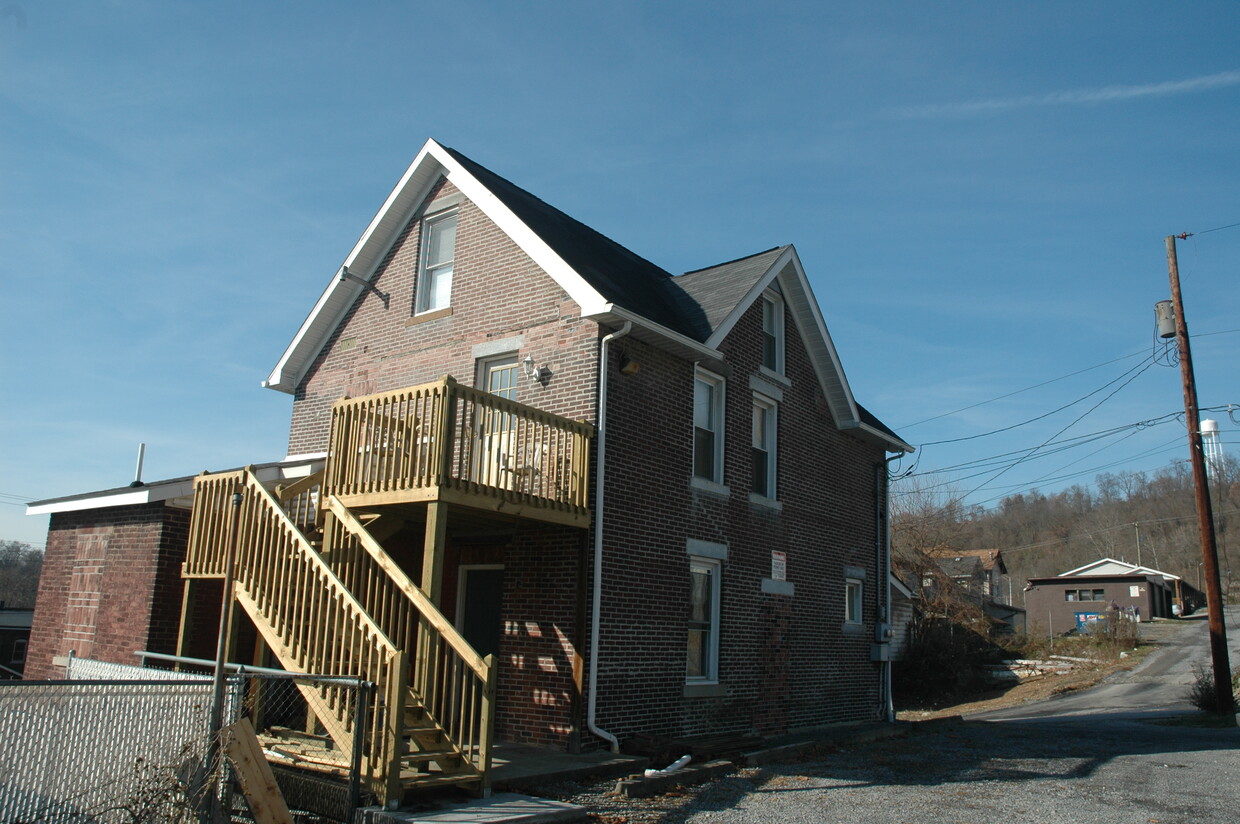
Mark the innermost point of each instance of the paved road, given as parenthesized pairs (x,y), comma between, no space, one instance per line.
(1107,756)
(1157,688)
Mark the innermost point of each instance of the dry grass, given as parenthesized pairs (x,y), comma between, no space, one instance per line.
(1031,690)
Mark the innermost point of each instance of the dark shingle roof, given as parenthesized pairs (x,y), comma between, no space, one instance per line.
(718,289)
(619,275)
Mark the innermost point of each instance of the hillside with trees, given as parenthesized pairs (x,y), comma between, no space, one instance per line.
(20,565)
(1146,518)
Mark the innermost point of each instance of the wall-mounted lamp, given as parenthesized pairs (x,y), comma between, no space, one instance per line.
(538,374)
(628,366)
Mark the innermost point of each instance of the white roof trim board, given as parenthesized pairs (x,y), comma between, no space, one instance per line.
(431,163)
(1117,568)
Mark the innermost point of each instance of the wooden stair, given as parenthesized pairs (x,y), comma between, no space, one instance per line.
(337,605)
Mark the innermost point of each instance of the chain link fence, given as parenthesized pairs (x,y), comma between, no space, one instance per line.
(125,744)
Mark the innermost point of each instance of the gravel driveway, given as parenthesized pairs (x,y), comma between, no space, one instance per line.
(1079,767)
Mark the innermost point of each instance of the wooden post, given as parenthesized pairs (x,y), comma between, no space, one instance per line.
(187,619)
(433,551)
(1201,486)
(397,695)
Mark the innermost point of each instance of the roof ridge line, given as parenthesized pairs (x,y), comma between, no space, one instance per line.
(734,260)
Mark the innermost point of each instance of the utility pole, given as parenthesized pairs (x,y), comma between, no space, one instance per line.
(1201,488)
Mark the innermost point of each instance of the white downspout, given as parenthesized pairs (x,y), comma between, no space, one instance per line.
(886,539)
(596,609)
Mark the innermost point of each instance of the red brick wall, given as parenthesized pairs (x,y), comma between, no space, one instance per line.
(498,292)
(786,662)
(110,585)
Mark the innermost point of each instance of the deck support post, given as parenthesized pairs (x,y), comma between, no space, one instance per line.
(185,631)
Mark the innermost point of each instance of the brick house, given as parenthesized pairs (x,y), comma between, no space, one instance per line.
(600,501)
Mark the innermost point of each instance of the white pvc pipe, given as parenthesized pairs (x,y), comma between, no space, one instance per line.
(596,611)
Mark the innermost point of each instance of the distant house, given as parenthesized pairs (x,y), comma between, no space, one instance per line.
(980,571)
(14,638)
(1078,597)
(981,576)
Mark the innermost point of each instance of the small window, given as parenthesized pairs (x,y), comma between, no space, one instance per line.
(773,332)
(703,642)
(19,651)
(764,446)
(438,257)
(708,426)
(1069,594)
(852,601)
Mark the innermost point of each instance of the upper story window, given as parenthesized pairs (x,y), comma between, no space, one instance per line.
(773,332)
(764,416)
(708,426)
(435,268)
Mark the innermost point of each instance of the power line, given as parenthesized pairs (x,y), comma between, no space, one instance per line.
(1019,391)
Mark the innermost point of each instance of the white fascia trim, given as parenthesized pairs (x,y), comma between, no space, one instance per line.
(1093,564)
(567,277)
(431,162)
(799,297)
(893,444)
(612,311)
(127,497)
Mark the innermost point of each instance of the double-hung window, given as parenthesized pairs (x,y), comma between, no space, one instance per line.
(708,426)
(773,332)
(764,417)
(852,601)
(438,256)
(703,646)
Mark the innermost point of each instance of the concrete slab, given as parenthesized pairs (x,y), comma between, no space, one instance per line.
(501,808)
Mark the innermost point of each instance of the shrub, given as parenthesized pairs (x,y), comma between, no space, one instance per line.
(1203,695)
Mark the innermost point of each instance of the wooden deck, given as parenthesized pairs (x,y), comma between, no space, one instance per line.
(443,442)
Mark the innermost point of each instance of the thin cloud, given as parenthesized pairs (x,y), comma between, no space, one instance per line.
(1105,94)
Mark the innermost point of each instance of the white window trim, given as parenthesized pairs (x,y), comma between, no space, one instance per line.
(772,453)
(776,301)
(718,420)
(859,618)
(422,297)
(712,649)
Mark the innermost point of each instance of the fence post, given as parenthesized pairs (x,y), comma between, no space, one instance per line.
(359,735)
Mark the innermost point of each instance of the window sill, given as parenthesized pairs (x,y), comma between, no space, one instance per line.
(427,316)
(703,485)
(711,690)
(772,587)
(853,630)
(771,374)
(763,501)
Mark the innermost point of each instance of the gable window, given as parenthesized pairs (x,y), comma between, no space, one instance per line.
(708,426)
(764,414)
(852,601)
(773,333)
(703,643)
(435,268)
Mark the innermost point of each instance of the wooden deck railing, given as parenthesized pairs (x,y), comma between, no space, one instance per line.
(305,614)
(456,686)
(444,440)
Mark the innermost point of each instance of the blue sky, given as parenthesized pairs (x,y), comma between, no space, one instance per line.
(978,191)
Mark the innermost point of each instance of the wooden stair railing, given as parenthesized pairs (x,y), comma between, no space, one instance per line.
(453,687)
(311,622)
